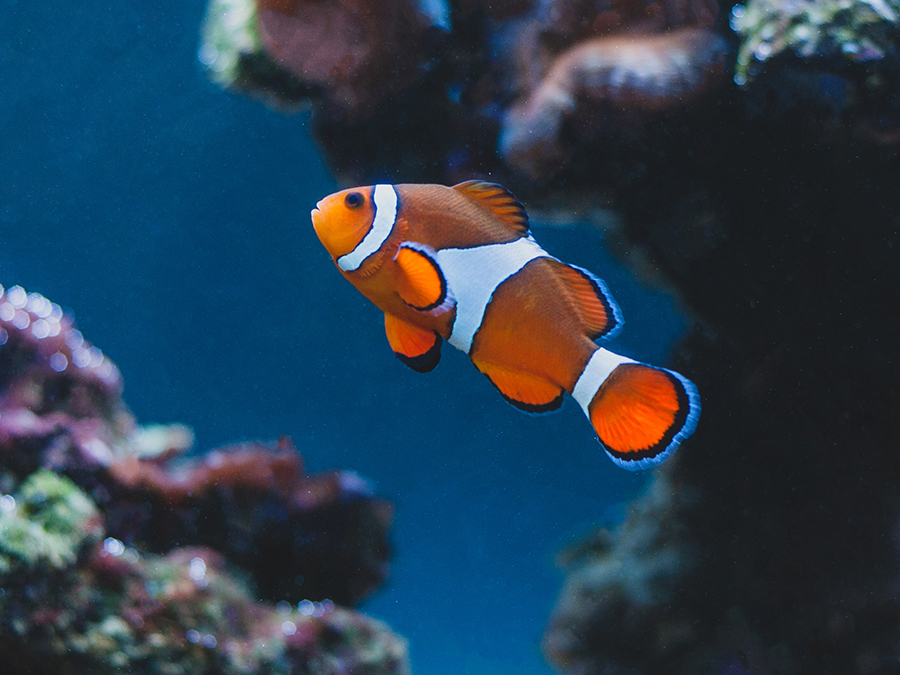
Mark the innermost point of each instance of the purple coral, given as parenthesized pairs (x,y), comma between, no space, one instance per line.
(299,536)
(59,394)
(355,53)
(32,324)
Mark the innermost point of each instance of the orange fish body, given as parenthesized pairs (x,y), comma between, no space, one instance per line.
(459,264)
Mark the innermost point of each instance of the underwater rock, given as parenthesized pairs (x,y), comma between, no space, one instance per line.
(76,601)
(615,583)
(448,92)
(832,64)
(606,83)
(769,543)
(299,536)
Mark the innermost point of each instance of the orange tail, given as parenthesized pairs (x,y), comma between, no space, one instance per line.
(641,413)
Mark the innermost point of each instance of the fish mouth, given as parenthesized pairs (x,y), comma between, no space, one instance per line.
(317,216)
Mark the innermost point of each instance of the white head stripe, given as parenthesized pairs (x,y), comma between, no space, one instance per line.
(385,215)
(473,275)
(598,368)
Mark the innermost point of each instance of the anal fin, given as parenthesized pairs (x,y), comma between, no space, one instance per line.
(419,348)
(525,391)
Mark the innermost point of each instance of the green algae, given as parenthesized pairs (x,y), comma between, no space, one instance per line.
(230,35)
(851,30)
(234,57)
(46,524)
(118,610)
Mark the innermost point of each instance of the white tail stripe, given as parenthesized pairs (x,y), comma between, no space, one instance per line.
(598,368)
(473,274)
(385,199)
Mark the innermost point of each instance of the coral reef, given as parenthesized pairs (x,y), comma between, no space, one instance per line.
(319,536)
(768,205)
(46,525)
(470,88)
(75,601)
(858,32)
(587,69)
(116,554)
(537,94)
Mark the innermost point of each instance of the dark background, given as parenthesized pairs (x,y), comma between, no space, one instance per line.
(172,219)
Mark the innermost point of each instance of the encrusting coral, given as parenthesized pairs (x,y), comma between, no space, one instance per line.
(114,555)
(834,62)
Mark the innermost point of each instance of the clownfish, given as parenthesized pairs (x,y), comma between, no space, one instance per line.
(460,264)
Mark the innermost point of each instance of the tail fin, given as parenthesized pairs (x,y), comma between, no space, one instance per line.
(641,413)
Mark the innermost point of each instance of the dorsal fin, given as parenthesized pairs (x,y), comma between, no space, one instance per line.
(499,201)
(600,315)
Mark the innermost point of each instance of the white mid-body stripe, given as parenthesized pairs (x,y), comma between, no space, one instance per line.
(598,368)
(385,199)
(473,275)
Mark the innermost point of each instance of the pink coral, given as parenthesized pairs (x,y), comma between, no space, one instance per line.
(358,52)
(33,324)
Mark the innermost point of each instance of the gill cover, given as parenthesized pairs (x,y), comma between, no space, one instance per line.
(343,220)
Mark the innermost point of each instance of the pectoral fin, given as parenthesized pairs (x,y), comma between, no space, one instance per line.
(418,278)
(419,348)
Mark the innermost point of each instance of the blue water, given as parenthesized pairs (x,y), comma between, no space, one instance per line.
(172,219)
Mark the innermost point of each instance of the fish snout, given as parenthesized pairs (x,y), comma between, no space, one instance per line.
(318,217)
(320,225)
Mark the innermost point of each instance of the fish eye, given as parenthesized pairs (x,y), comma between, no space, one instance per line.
(354,200)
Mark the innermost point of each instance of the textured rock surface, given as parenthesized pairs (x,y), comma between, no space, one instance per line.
(514,90)
(768,205)
(777,524)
